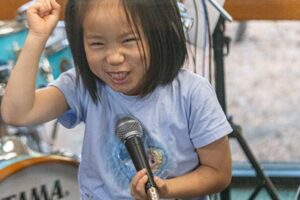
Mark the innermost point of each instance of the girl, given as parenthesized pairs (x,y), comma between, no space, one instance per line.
(128,56)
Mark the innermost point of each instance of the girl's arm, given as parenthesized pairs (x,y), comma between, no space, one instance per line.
(212,176)
(21,104)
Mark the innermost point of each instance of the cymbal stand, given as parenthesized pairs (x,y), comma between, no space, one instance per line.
(220,42)
(3,131)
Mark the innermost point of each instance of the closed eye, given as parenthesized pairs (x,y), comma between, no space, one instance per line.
(96,44)
(131,39)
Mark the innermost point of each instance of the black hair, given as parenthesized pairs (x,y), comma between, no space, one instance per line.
(158,20)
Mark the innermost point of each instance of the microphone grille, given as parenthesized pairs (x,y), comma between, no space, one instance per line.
(127,127)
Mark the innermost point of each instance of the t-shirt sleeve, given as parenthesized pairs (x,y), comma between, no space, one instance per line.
(67,83)
(207,122)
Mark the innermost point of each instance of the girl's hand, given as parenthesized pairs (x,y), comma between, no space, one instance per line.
(42,17)
(137,186)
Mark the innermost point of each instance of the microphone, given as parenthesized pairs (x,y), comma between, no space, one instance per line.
(129,131)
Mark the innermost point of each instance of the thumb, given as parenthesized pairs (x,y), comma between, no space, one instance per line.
(161,186)
(159,182)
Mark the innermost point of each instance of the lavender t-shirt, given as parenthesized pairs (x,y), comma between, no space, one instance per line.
(176,119)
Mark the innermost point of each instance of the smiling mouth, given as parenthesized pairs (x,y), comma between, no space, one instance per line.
(118,77)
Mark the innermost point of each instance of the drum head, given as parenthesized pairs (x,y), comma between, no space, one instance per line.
(50,177)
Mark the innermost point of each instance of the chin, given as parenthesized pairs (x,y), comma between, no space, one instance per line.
(121,90)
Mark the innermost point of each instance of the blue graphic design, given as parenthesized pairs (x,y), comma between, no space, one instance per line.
(120,164)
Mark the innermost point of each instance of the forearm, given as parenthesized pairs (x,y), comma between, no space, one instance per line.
(212,176)
(202,181)
(20,90)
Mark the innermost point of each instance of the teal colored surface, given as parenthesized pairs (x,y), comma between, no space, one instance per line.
(286,191)
(243,193)
(7,41)
(57,58)
(6,163)
(7,54)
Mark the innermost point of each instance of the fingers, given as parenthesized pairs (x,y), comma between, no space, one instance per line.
(41,7)
(45,7)
(161,186)
(42,17)
(159,182)
(56,7)
(137,187)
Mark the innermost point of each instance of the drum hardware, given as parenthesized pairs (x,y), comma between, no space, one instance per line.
(66,154)
(12,147)
(54,132)
(11,27)
(2,87)
(56,46)
(3,131)
(30,136)
(46,70)
(16,49)
(5,69)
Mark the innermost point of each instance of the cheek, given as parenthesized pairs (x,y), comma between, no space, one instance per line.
(91,61)
(93,58)
(94,65)
(90,56)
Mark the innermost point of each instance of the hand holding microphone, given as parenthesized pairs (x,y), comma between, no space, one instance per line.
(129,132)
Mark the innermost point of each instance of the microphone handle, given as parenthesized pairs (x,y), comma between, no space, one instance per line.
(139,158)
(152,194)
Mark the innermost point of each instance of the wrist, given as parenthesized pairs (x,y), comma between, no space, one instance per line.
(36,41)
(38,37)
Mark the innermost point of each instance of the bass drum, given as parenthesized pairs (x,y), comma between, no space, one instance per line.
(41,177)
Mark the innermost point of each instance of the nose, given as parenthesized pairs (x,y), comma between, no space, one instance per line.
(115,57)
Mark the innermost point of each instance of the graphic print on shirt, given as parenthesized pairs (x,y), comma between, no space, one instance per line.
(121,166)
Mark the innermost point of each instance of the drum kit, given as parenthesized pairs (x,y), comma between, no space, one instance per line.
(30,168)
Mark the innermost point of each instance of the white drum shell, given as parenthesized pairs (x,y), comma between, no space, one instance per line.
(43,181)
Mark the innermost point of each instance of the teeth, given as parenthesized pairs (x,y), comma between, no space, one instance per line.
(118,75)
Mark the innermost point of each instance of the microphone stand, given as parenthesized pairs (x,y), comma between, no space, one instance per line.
(221,10)
(219,42)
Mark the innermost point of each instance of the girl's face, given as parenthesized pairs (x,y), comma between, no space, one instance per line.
(113,50)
